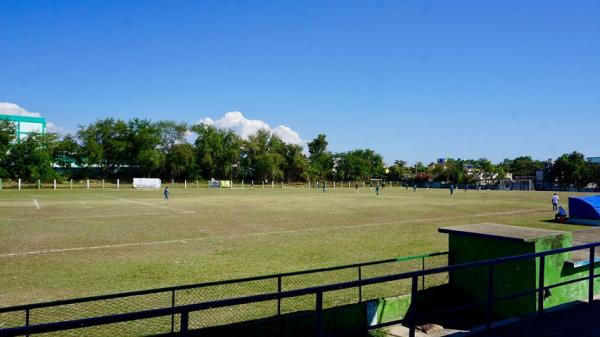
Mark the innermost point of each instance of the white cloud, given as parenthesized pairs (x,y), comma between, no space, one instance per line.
(53,128)
(7,108)
(15,110)
(235,121)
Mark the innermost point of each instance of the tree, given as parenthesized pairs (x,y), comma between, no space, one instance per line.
(181,162)
(104,143)
(523,166)
(296,163)
(321,160)
(31,159)
(397,171)
(143,146)
(7,136)
(66,152)
(216,151)
(359,165)
(572,169)
(171,133)
(265,156)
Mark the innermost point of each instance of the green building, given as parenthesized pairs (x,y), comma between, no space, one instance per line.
(26,125)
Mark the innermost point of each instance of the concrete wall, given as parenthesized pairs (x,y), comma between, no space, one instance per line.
(517,276)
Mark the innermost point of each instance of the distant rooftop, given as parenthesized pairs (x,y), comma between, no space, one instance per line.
(594,160)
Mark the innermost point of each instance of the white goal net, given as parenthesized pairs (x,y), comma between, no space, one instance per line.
(146,183)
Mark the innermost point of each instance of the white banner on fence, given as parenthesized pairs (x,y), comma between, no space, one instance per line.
(146,183)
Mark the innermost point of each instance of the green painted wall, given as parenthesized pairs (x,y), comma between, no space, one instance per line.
(517,276)
(508,278)
(348,320)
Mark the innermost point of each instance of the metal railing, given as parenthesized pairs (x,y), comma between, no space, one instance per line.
(318,292)
(170,297)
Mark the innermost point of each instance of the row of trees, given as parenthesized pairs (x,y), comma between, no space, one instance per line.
(139,147)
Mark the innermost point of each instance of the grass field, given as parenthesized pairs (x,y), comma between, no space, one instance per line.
(67,243)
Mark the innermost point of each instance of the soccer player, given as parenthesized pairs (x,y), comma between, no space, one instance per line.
(377,190)
(324,187)
(356,187)
(451,189)
(555,200)
(166,193)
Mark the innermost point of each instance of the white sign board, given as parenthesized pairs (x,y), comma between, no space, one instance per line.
(146,183)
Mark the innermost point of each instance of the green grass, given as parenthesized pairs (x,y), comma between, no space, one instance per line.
(200,235)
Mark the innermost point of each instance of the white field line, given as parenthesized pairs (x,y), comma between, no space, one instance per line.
(158,206)
(315,229)
(84,216)
(36,203)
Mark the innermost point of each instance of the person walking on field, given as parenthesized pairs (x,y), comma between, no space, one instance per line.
(377,190)
(451,189)
(166,193)
(356,187)
(555,200)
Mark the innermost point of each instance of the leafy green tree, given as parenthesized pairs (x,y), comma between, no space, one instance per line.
(296,164)
(397,171)
(181,162)
(143,146)
(217,151)
(7,136)
(104,143)
(523,166)
(265,156)
(321,160)
(171,133)
(66,152)
(573,169)
(359,165)
(31,158)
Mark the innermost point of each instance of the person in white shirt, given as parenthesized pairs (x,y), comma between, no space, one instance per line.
(555,202)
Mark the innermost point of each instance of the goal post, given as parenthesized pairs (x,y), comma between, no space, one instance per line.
(517,185)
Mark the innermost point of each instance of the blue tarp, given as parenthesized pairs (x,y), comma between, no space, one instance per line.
(587,207)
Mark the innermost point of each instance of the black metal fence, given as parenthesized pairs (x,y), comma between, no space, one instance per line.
(182,314)
(173,297)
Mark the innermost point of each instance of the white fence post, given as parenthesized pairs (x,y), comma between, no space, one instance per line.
(71,183)
(309,184)
(102,183)
(117,183)
(54,184)
(272,183)
(19,183)
(185,184)
(87,182)
(38,183)
(197,186)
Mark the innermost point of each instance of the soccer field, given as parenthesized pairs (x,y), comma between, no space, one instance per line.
(67,243)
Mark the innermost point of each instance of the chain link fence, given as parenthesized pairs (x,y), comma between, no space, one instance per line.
(191,294)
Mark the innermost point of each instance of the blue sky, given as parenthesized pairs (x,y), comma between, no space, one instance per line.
(414,80)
